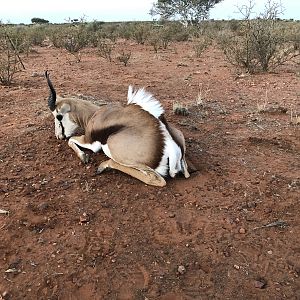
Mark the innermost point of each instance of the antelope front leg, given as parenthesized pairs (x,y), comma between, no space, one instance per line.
(73,142)
(143,173)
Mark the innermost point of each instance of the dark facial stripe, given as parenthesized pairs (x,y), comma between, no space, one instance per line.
(103,134)
(62,130)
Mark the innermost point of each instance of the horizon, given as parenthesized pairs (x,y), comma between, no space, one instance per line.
(120,11)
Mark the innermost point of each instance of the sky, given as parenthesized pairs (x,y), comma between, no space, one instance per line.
(58,11)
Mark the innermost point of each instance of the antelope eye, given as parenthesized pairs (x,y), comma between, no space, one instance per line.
(59,117)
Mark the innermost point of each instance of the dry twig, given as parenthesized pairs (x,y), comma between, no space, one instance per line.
(278,223)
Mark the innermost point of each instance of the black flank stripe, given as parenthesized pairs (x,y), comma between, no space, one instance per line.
(103,134)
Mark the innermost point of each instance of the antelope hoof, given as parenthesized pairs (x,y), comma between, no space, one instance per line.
(186,174)
(85,158)
(172,174)
(100,170)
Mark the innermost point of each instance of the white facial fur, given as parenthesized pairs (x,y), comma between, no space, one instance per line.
(69,126)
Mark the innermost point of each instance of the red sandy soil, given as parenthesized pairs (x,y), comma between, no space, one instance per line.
(73,235)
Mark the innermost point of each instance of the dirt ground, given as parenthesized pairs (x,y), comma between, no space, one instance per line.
(231,231)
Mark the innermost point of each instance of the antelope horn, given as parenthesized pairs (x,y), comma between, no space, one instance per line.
(52,96)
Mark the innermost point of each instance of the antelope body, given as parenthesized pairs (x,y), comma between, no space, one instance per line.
(136,137)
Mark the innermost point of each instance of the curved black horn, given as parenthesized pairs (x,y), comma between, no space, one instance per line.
(52,96)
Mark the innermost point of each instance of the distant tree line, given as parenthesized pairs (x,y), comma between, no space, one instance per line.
(39,21)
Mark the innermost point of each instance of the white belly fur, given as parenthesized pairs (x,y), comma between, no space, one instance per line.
(171,159)
(106,151)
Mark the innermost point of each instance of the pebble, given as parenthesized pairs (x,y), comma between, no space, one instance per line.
(242,230)
(35,74)
(260,284)
(181,270)
(84,218)
(43,206)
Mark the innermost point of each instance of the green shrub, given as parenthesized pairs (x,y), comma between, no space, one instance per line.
(140,32)
(124,30)
(74,40)
(162,35)
(56,35)
(201,44)
(20,38)
(154,40)
(9,60)
(105,48)
(124,57)
(178,32)
(110,31)
(37,34)
(261,44)
(95,26)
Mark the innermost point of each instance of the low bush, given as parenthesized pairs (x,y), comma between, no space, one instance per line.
(105,48)
(74,40)
(9,59)
(260,44)
(124,57)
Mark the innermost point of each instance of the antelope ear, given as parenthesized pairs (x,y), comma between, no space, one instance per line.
(65,108)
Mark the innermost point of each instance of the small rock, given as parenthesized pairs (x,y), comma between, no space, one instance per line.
(181,270)
(268,210)
(35,74)
(37,186)
(182,65)
(260,284)
(84,218)
(242,230)
(43,206)
(236,267)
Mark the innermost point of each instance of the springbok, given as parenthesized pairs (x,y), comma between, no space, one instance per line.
(136,137)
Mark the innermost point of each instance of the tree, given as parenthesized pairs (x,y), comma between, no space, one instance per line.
(39,21)
(190,11)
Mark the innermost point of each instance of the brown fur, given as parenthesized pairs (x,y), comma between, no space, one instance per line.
(132,134)
(81,110)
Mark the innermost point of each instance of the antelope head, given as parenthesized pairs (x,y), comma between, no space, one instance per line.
(65,125)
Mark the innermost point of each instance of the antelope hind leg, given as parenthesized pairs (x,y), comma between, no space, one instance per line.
(141,172)
(184,167)
(73,143)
